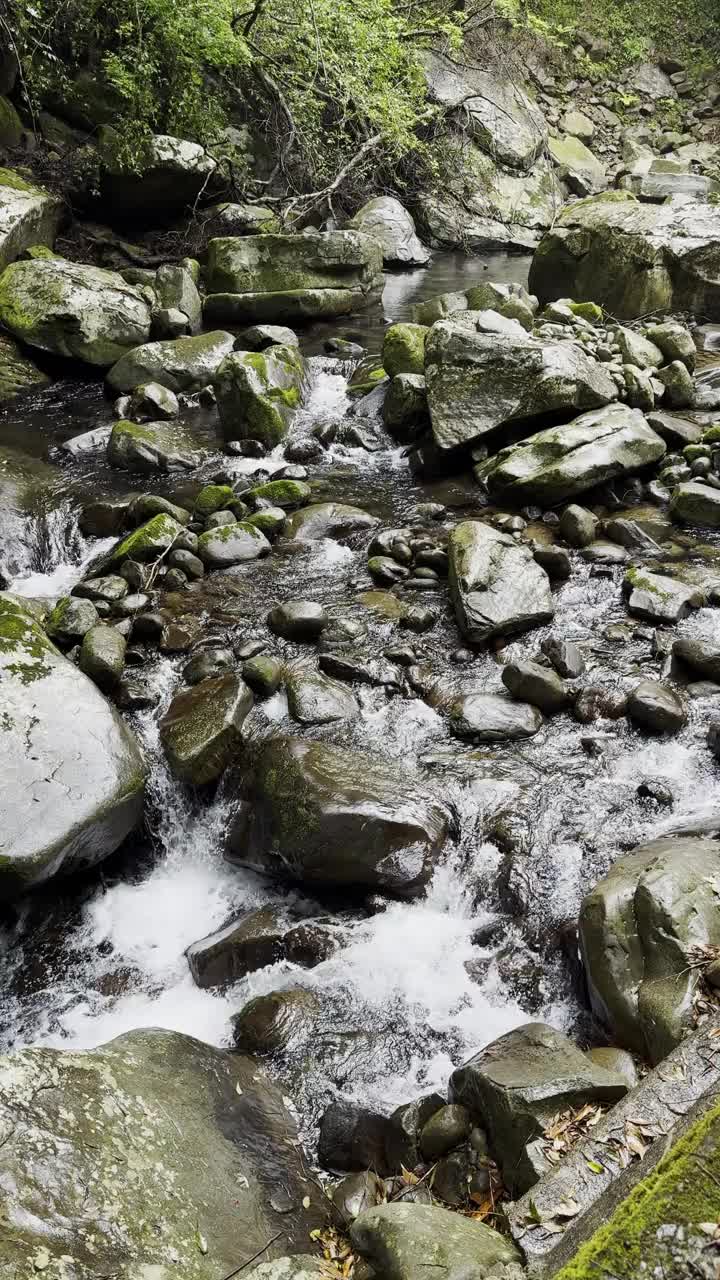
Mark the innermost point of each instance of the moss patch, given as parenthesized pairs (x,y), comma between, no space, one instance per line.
(23,641)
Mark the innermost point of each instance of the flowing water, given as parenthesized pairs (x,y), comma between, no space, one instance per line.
(411,991)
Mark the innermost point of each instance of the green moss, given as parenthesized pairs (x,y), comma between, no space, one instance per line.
(23,639)
(404,349)
(149,541)
(8,178)
(587,311)
(214,497)
(712,435)
(683,1190)
(282,493)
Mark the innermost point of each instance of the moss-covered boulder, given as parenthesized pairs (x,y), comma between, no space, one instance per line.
(405,408)
(181,364)
(325,815)
(191,1153)
(73,310)
(496,585)
(388,221)
(404,348)
(281,278)
(70,619)
(150,446)
(231,544)
(17,371)
(632,258)
(483,370)
(73,774)
(282,493)
(518,1083)
(403,1241)
(258,392)
(555,465)
(636,929)
(173,174)
(696,503)
(577,166)
(28,215)
(200,731)
(148,541)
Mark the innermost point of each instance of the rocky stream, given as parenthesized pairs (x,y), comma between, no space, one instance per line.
(359,735)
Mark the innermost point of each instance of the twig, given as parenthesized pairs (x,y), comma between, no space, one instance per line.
(243,1265)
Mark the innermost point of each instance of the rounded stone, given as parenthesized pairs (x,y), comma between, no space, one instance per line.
(302,620)
(446,1129)
(656,707)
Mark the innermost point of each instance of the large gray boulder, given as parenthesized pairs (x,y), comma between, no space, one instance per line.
(632,258)
(407,1241)
(487,206)
(695,503)
(516,1085)
(180,364)
(277,279)
(496,113)
(555,465)
(325,815)
(73,773)
(28,215)
(152,1157)
(493,717)
(258,393)
(174,173)
(150,446)
(577,166)
(327,520)
(637,927)
(496,585)
(483,370)
(73,310)
(389,222)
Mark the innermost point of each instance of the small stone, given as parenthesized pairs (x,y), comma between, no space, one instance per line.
(564,656)
(654,706)
(300,620)
(578,526)
(446,1129)
(263,674)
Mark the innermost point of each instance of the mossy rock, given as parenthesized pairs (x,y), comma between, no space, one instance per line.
(148,542)
(283,493)
(11,128)
(404,349)
(214,497)
(17,371)
(367,374)
(258,393)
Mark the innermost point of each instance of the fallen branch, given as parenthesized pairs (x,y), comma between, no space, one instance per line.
(325,193)
(245,1264)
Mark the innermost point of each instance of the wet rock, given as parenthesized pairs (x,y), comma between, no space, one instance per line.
(247,944)
(326,815)
(675,342)
(446,1129)
(404,1128)
(386,220)
(300,620)
(417,617)
(554,560)
(633,258)
(29,215)
(208,663)
(401,1240)
(182,364)
(102,656)
(65,753)
(351,1137)
(231,544)
(168,1102)
(147,542)
(150,446)
(540,686)
(700,655)
(678,384)
(658,598)
(518,1083)
(561,462)
(110,588)
(675,431)
(274,1022)
(595,702)
(18,373)
(73,310)
(385,569)
(405,410)
(70,620)
(263,674)
(452,1177)
(258,393)
(713,738)
(657,792)
(315,699)
(151,402)
(696,503)
(618,1061)
(656,707)
(564,655)
(146,505)
(309,944)
(287,493)
(328,520)
(282,278)
(361,670)
(497,587)
(492,717)
(201,729)
(191,565)
(403,349)
(261,336)
(530,378)
(636,927)
(357,1193)
(578,526)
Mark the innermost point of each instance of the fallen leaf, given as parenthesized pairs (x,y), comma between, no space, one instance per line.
(594,1166)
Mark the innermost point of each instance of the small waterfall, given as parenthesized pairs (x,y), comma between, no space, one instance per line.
(50,554)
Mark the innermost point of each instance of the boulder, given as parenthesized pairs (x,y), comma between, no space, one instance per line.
(483,371)
(261,336)
(314,698)
(657,598)
(697,504)
(403,349)
(173,174)
(656,707)
(637,927)
(70,620)
(241,947)
(701,656)
(446,1128)
(517,1084)
(404,1241)
(201,729)
(177,291)
(632,258)
(258,393)
(326,815)
(74,775)
(352,1137)
(151,402)
(151,1111)
(388,221)
(501,119)
(492,717)
(300,620)
(28,215)
(577,166)
(405,409)
(564,461)
(73,310)
(578,526)
(328,520)
(147,542)
(17,371)
(229,219)
(277,279)
(150,446)
(102,656)
(231,544)
(276,1022)
(180,364)
(540,686)
(497,588)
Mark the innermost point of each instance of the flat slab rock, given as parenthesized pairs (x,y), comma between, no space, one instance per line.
(657,598)
(657,1111)
(404,1241)
(496,585)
